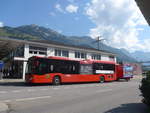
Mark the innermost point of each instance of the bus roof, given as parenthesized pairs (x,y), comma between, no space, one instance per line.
(54,57)
(81,61)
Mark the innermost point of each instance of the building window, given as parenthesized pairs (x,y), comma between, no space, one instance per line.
(37,50)
(42,53)
(77,54)
(111,58)
(63,53)
(80,55)
(57,52)
(31,52)
(96,57)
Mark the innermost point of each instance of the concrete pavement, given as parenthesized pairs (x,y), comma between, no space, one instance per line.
(111,97)
(3,107)
(11,80)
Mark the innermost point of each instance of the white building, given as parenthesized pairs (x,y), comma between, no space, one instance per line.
(27,49)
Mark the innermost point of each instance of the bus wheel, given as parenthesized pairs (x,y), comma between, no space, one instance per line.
(102,79)
(118,79)
(127,79)
(56,80)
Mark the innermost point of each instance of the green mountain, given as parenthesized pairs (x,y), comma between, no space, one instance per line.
(35,32)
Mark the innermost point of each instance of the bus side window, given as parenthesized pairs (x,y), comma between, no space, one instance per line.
(73,68)
(51,68)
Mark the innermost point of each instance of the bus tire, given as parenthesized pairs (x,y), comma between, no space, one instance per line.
(102,79)
(56,80)
(118,79)
(127,79)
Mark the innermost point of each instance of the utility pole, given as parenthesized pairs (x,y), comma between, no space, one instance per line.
(99,39)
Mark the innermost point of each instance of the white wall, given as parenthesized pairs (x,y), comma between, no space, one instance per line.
(89,56)
(105,57)
(50,52)
(26,56)
(26,51)
(71,54)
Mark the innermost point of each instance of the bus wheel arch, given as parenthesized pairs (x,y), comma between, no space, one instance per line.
(56,80)
(102,79)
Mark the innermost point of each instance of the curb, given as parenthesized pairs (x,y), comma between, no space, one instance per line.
(11,80)
(3,107)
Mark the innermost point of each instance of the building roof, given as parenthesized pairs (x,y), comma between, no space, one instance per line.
(69,45)
(9,44)
(144,6)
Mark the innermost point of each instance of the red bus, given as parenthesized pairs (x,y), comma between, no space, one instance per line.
(57,70)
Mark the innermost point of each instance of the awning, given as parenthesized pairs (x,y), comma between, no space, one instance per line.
(144,6)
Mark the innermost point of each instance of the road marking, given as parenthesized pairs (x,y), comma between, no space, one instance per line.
(6,101)
(34,98)
(91,86)
(106,90)
(16,91)
(55,88)
(97,85)
(44,89)
(76,86)
(66,87)
(30,90)
(83,86)
(2,92)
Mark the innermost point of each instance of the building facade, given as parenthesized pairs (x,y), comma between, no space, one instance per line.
(19,57)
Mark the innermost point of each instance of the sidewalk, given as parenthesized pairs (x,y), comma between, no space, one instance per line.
(3,108)
(11,80)
(137,77)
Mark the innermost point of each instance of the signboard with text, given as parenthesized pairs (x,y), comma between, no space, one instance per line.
(1,64)
(128,70)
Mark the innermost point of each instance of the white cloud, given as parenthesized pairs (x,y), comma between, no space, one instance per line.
(72,8)
(117,21)
(59,8)
(140,29)
(1,24)
(52,14)
(59,31)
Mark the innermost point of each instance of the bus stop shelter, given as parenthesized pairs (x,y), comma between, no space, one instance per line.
(145,9)
(7,45)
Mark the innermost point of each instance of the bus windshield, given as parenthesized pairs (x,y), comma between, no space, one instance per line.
(29,68)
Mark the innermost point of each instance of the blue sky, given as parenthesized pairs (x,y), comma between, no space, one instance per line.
(45,13)
(120,22)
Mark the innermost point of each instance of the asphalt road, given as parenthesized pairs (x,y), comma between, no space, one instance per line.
(111,97)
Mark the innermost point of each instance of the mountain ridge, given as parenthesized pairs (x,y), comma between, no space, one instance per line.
(35,32)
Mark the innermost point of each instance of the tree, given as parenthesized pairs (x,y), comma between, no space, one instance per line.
(145,89)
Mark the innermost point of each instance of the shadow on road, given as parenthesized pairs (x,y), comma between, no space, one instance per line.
(130,108)
(19,84)
(23,84)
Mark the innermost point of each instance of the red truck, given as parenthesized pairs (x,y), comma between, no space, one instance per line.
(124,71)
